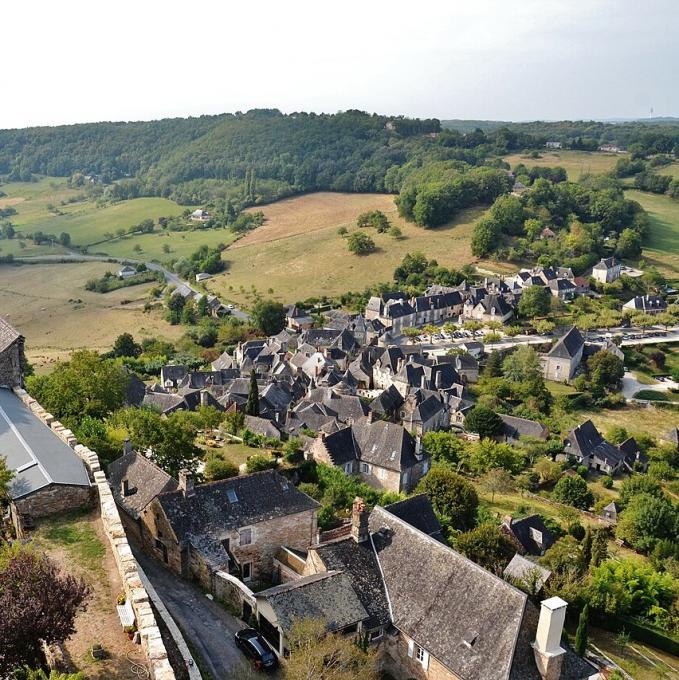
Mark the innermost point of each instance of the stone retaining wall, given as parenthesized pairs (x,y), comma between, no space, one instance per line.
(151,641)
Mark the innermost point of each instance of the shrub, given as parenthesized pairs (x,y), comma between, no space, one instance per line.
(607,482)
(258,463)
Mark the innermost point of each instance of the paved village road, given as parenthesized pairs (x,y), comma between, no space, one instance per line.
(206,625)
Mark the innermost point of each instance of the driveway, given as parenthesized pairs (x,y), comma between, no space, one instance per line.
(206,625)
(630,386)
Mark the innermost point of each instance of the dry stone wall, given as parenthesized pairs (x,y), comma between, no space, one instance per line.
(151,641)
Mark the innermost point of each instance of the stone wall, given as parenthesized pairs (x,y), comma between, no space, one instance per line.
(151,641)
(11,364)
(394,660)
(234,593)
(52,499)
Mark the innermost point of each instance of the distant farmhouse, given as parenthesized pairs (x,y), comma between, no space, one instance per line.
(200,215)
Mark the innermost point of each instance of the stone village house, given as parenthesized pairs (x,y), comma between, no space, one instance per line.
(234,525)
(431,613)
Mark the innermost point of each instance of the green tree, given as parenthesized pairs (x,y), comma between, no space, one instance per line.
(639,484)
(586,546)
(359,243)
(125,346)
(454,498)
(573,491)
(487,454)
(443,447)
(599,547)
(6,477)
(606,371)
(497,480)
(258,462)
(488,546)
(485,237)
(534,301)
(217,468)
(269,316)
(629,244)
(522,364)
(483,421)
(581,632)
(252,404)
(317,653)
(84,385)
(645,520)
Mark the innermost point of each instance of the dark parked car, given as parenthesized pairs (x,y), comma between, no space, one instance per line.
(255,647)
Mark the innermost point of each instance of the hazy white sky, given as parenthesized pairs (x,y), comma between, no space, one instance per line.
(76,60)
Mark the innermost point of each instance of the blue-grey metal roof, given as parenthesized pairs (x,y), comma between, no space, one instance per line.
(35,453)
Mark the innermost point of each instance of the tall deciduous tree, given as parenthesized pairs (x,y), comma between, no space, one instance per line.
(454,498)
(316,653)
(269,316)
(483,421)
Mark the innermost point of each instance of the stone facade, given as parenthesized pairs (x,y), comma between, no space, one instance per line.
(561,369)
(394,659)
(52,499)
(11,364)
(296,530)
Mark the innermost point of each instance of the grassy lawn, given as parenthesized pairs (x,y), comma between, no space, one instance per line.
(180,244)
(297,252)
(557,388)
(74,533)
(656,421)
(656,665)
(576,163)
(662,247)
(48,303)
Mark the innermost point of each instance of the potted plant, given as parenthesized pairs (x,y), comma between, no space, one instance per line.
(121,599)
(130,630)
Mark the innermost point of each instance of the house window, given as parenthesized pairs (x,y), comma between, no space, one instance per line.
(366,469)
(536,535)
(246,571)
(419,654)
(245,537)
(347,468)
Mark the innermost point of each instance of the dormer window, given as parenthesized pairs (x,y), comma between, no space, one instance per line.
(469,638)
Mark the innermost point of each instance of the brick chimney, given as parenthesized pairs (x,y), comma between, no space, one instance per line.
(359,521)
(186,483)
(547,646)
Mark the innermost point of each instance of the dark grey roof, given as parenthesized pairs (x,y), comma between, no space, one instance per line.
(145,480)
(523,531)
(358,561)
(384,444)
(345,406)
(561,284)
(387,402)
(440,598)
(606,263)
(8,334)
(35,453)
(208,511)
(522,427)
(341,446)
(568,346)
(320,337)
(647,303)
(418,512)
(262,426)
(328,596)
(585,441)
(496,302)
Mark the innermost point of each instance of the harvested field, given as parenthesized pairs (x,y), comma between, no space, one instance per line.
(576,163)
(48,303)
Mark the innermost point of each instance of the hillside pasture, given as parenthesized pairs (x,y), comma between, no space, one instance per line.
(576,163)
(298,253)
(48,303)
(662,246)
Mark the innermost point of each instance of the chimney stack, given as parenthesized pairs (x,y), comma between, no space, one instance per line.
(359,521)
(186,483)
(438,380)
(126,487)
(203,398)
(127,446)
(423,381)
(547,646)
(418,447)
(369,417)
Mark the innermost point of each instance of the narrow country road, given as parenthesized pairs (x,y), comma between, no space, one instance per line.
(207,627)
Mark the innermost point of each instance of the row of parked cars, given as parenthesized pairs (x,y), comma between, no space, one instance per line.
(455,335)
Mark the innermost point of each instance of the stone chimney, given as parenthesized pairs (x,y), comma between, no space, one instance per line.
(423,382)
(127,446)
(547,646)
(369,417)
(399,363)
(186,483)
(204,398)
(438,380)
(125,484)
(359,521)
(418,447)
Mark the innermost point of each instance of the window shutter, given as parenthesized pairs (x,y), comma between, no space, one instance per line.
(411,648)
(425,659)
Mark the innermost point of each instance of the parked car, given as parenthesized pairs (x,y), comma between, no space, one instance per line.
(256,648)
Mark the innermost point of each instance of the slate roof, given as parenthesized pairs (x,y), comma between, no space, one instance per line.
(329,596)
(262,426)
(496,302)
(646,303)
(145,480)
(35,453)
(359,562)
(520,568)
(8,334)
(523,531)
(345,406)
(419,513)
(208,511)
(606,263)
(522,427)
(440,599)
(585,441)
(387,401)
(568,346)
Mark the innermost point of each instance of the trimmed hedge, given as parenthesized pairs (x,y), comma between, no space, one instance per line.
(639,630)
